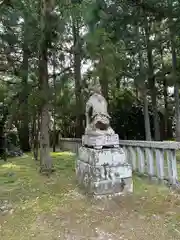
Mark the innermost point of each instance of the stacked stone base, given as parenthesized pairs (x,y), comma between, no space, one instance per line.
(103,171)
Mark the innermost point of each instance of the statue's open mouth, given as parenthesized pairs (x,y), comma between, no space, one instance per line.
(101,122)
(101,126)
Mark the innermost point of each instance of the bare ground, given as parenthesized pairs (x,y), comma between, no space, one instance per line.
(52,209)
(120,218)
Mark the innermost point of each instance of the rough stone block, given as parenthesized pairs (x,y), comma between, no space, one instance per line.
(110,156)
(104,172)
(117,187)
(100,140)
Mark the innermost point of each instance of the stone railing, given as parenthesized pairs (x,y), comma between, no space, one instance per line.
(153,159)
(70,144)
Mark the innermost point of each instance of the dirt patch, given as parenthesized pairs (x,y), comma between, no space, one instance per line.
(120,218)
(53,208)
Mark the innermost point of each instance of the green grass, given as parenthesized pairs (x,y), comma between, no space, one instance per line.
(40,204)
(178,155)
(21,182)
(29,192)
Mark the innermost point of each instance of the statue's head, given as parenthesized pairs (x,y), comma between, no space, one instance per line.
(95,88)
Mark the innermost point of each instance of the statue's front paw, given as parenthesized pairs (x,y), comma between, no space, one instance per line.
(110,131)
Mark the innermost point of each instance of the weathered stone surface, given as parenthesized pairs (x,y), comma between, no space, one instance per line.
(100,140)
(120,187)
(150,144)
(97,117)
(110,156)
(103,171)
(102,167)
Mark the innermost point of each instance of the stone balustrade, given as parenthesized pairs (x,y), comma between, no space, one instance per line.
(153,159)
(70,144)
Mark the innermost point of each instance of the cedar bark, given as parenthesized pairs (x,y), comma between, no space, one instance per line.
(77,76)
(24,125)
(152,81)
(45,159)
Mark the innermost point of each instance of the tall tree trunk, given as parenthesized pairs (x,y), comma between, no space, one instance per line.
(151,80)
(146,117)
(174,72)
(165,98)
(103,80)
(3,142)
(154,107)
(45,159)
(165,109)
(143,90)
(77,77)
(54,104)
(35,134)
(54,135)
(24,127)
(104,83)
(104,86)
(176,90)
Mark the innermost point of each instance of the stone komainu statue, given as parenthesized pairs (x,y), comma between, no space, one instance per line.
(97,117)
(101,167)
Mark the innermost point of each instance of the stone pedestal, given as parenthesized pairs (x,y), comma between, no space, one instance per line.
(102,167)
(100,141)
